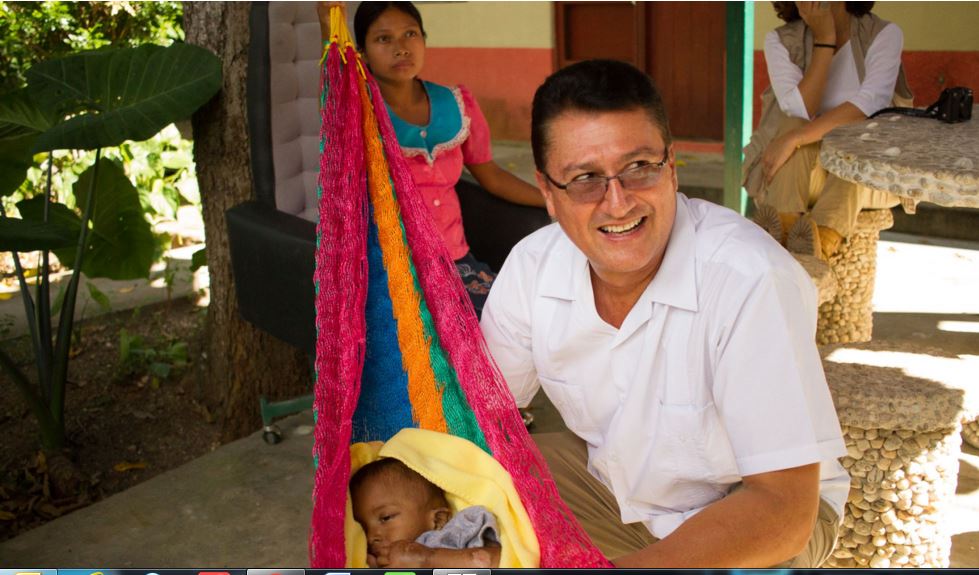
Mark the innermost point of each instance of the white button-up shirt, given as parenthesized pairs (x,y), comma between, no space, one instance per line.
(714,374)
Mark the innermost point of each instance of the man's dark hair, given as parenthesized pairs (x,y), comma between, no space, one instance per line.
(380,467)
(368,12)
(790,13)
(594,86)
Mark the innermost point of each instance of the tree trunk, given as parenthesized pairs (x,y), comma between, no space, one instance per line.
(242,362)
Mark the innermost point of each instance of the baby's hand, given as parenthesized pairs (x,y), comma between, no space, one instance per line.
(403,554)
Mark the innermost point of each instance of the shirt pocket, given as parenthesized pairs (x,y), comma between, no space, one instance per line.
(689,441)
(569,400)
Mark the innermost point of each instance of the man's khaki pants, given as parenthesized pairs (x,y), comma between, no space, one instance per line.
(803,185)
(595,507)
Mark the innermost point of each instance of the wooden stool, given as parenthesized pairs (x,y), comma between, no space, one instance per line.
(903,439)
(848,317)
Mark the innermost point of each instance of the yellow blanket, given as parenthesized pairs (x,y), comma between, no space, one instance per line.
(469,477)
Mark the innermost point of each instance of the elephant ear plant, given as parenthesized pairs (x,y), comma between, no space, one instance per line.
(87,101)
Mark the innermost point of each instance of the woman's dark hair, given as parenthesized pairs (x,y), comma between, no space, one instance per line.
(594,86)
(368,12)
(787,10)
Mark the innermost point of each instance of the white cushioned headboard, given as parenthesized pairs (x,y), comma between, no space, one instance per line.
(295,47)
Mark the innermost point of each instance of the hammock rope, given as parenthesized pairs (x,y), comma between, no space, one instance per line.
(398,343)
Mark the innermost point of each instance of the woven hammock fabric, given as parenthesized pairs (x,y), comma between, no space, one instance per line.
(398,343)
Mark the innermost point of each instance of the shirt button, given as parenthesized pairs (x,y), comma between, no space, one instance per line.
(424,133)
(437,203)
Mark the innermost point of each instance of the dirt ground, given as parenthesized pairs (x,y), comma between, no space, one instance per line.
(126,421)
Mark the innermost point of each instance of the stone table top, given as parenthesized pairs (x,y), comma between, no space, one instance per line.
(908,384)
(920,159)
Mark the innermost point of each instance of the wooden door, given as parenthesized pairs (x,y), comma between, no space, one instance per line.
(679,44)
(587,30)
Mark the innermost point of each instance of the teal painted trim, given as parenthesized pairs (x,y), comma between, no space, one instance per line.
(272,410)
(739,38)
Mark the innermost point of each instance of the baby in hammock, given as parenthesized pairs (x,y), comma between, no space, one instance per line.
(408,521)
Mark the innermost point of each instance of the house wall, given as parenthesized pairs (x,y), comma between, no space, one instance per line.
(503,50)
(500,50)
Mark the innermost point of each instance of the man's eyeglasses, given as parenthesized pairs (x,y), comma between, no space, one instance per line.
(593,188)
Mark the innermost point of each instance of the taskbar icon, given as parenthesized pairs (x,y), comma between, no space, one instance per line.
(276,572)
(31,572)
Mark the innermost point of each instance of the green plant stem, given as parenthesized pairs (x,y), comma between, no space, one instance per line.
(52,436)
(25,295)
(63,345)
(44,302)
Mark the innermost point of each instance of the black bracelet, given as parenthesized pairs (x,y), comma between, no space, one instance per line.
(830,46)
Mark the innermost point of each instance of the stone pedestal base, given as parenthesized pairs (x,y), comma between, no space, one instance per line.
(848,317)
(900,481)
(903,440)
(970,432)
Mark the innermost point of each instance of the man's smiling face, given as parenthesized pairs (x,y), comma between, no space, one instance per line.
(624,234)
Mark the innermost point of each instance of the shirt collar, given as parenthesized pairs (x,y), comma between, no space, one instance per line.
(675,283)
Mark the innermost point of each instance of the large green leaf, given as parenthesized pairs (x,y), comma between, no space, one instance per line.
(59,215)
(121,243)
(122,94)
(17,235)
(21,121)
(15,159)
(21,108)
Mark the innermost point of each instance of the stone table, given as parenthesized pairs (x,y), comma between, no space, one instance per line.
(919,159)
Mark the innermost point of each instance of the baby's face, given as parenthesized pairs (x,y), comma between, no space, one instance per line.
(390,508)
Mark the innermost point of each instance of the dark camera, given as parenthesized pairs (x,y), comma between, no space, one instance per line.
(954,105)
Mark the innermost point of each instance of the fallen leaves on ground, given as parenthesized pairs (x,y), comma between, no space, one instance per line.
(124,466)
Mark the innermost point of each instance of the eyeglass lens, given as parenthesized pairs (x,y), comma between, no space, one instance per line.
(593,189)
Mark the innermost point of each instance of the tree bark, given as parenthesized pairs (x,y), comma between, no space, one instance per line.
(242,362)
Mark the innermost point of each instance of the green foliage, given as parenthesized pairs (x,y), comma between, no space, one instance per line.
(122,245)
(99,297)
(112,96)
(198,259)
(157,359)
(125,94)
(31,32)
(26,235)
(161,168)
(83,102)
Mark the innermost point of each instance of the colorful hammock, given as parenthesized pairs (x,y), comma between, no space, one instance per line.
(398,343)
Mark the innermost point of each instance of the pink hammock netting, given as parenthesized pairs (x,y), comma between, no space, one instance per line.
(348,124)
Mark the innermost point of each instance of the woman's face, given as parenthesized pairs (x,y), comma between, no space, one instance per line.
(394,47)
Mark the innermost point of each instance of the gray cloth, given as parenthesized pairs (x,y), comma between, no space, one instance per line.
(472,527)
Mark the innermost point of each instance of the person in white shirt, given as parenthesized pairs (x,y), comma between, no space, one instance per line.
(675,338)
(832,63)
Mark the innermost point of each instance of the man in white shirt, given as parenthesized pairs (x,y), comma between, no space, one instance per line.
(675,338)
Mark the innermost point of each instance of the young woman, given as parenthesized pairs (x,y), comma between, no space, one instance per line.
(440,128)
(832,63)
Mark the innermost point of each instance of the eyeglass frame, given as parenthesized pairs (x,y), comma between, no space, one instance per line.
(659,165)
